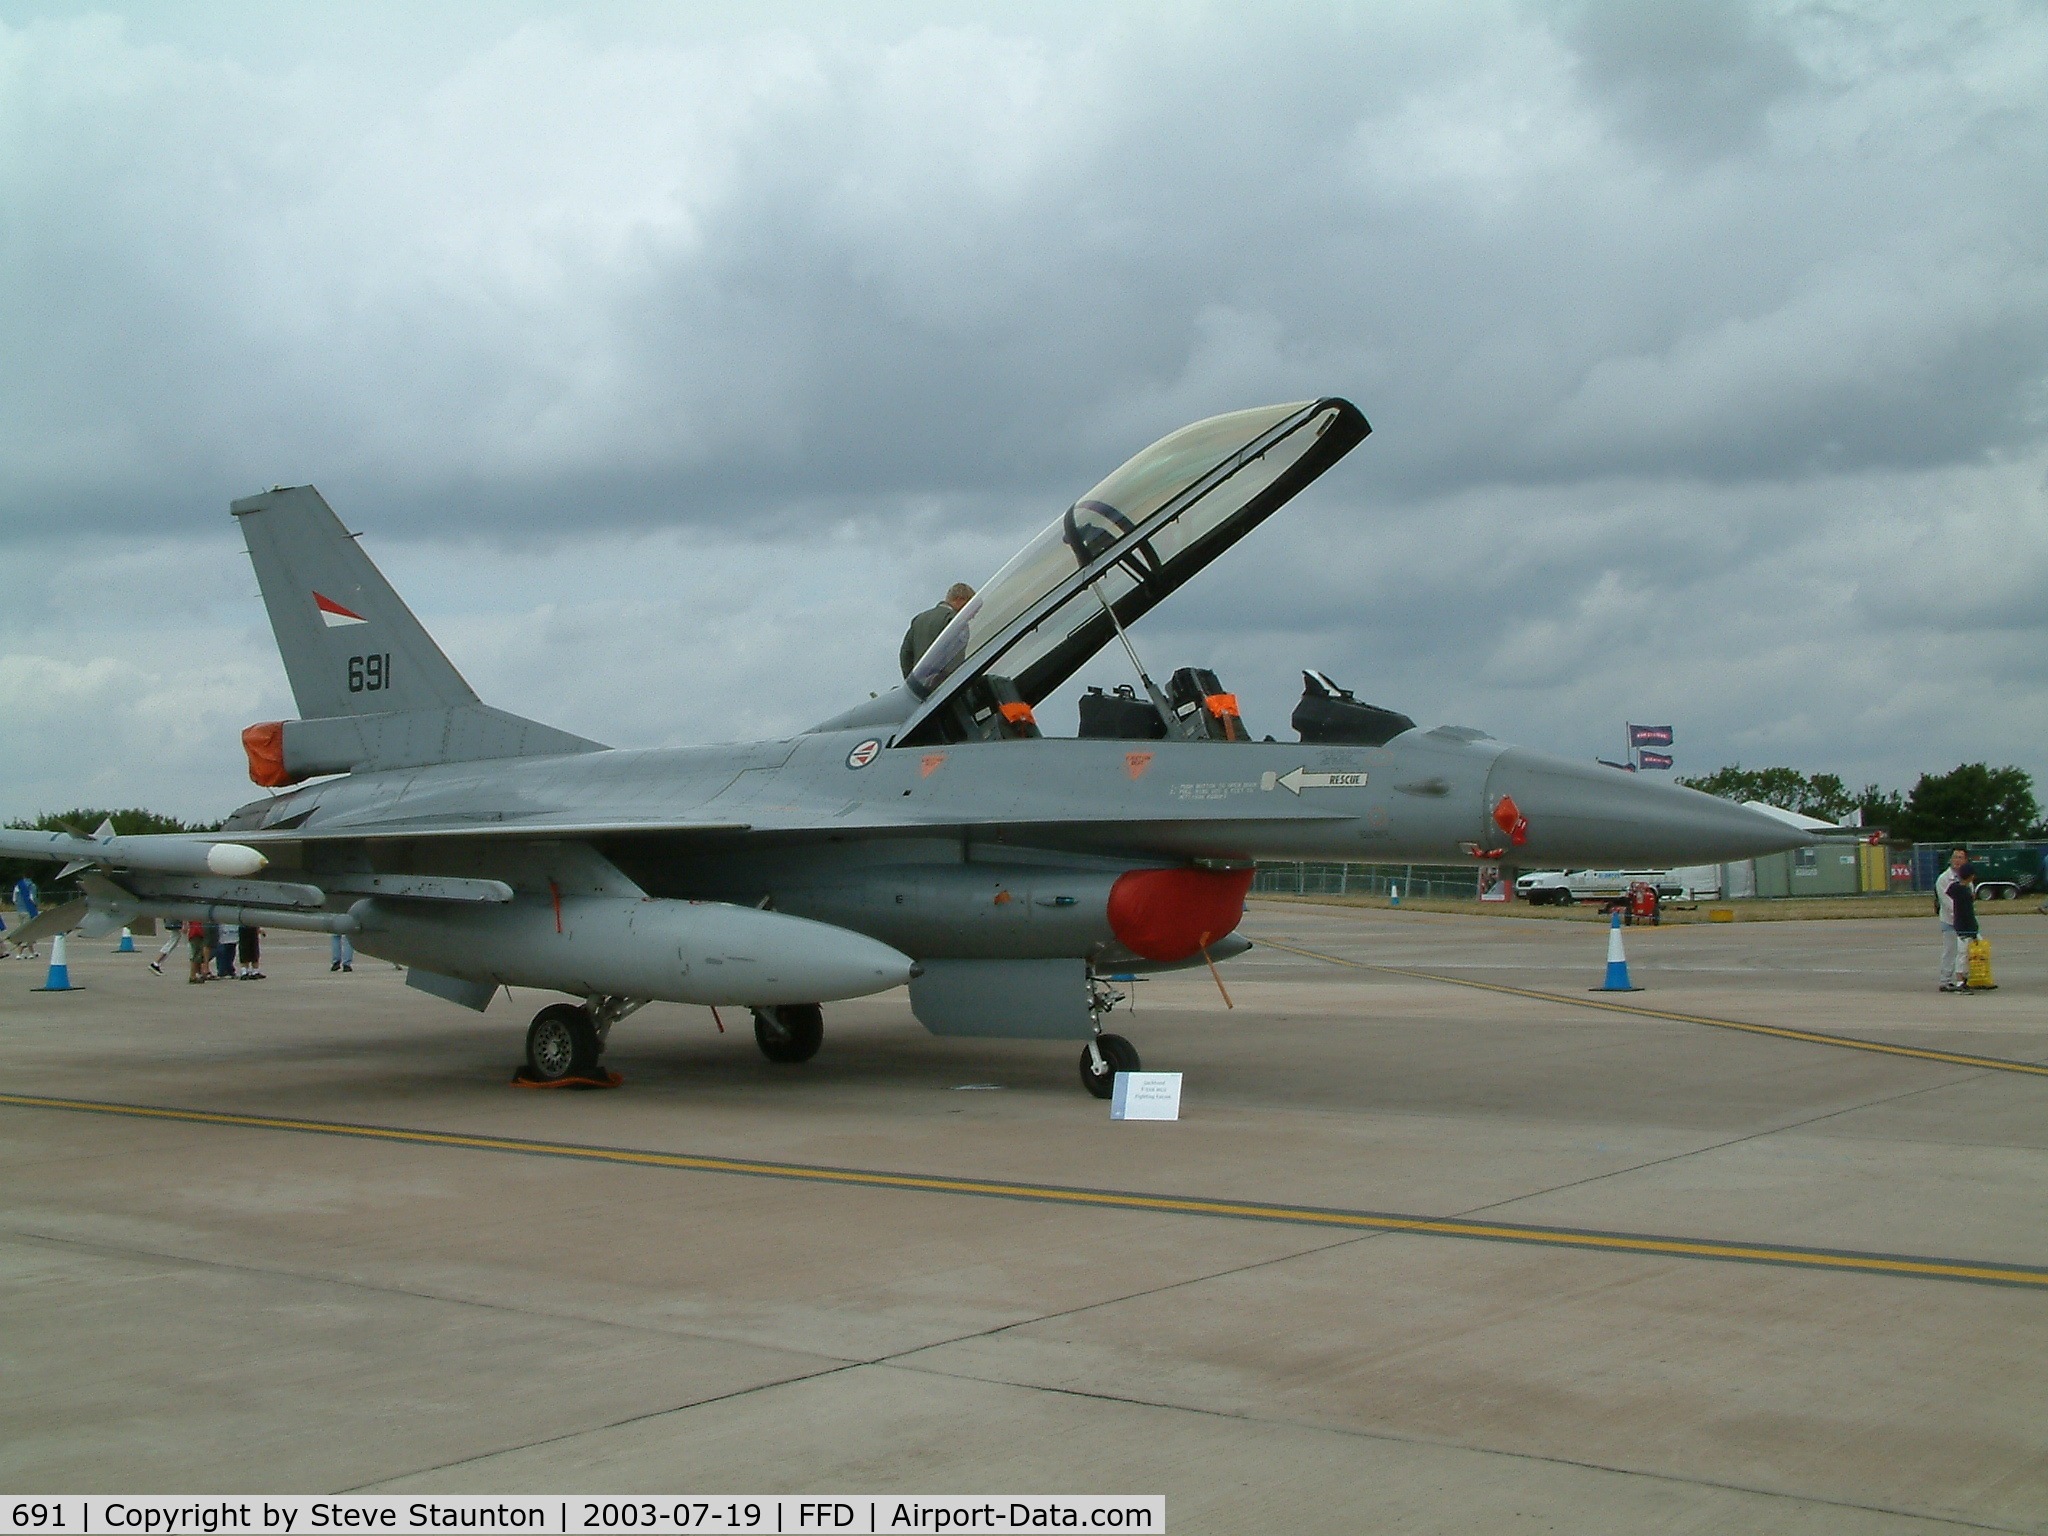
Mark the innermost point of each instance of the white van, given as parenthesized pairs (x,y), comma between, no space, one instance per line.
(1561,888)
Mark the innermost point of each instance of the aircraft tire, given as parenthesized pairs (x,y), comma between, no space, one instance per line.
(561,1042)
(791,1032)
(1118,1055)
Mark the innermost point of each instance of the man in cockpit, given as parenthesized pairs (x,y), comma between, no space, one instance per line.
(925,628)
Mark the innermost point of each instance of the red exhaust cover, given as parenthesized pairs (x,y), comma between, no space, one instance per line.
(265,745)
(1170,914)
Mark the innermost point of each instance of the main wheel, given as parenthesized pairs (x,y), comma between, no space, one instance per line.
(791,1032)
(561,1042)
(1118,1055)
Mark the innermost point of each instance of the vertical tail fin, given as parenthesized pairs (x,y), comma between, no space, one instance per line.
(350,645)
(373,689)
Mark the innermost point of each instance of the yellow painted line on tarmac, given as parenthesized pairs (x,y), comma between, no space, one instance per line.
(1910,1266)
(1810,1036)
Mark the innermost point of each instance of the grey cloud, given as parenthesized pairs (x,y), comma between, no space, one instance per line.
(1696,76)
(739,280)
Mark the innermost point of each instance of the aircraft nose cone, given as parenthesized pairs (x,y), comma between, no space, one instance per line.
(1583,813)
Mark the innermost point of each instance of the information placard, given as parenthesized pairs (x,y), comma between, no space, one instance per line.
(1146,1096)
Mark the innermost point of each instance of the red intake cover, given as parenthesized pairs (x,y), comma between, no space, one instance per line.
(1169,914)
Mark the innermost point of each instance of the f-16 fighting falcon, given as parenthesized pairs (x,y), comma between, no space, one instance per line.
(933,835)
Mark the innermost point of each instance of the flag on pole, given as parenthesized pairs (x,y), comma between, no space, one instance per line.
(1653,759)
(1650,736)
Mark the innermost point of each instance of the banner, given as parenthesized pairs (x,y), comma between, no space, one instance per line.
(1653,759)
(1650,736)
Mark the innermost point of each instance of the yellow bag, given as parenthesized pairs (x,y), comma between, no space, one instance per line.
(1980,964)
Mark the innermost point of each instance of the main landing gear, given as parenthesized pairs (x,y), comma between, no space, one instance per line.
(561,1042)
(789,1032)
(564,1040)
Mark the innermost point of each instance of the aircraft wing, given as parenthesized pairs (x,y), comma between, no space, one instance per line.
(534,828)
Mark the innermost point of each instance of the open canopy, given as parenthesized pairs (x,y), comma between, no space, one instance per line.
(1156,521)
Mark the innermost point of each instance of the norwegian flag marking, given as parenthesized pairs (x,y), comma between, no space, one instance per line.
(333,615)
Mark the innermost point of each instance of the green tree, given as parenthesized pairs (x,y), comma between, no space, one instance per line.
(1971,802)
(1816,794)
(1882,807)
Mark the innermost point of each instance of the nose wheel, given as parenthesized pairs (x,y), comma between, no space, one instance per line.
(791,1032)
(1105,1056)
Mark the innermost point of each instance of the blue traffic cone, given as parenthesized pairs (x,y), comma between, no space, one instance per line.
(59,979)
(127,944)
(1617,962)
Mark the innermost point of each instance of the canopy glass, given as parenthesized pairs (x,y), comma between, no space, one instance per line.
(1140,533)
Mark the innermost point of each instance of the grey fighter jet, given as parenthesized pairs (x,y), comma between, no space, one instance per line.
(934,835)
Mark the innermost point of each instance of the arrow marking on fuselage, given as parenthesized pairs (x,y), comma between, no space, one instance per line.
(1298,779)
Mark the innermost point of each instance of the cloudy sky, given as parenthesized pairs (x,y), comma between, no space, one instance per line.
(670,357)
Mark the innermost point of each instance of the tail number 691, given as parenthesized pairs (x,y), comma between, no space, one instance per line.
(369,674)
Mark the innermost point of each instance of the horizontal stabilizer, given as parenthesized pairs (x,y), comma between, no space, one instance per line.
(54,920)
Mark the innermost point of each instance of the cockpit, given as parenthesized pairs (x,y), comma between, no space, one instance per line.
(1076,587)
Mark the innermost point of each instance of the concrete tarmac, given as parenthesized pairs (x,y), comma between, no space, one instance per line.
(201,1305)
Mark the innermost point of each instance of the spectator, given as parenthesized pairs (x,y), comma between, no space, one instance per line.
(252,953)
(26,909)
(1955,958)
(174,935)
(343,951)
(1962,896)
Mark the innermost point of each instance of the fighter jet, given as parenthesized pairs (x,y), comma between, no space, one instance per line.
(934,835)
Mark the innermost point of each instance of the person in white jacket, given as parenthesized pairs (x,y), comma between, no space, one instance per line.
(1955,958)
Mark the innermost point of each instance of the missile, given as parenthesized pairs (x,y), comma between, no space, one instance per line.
(673,951)
(163,853)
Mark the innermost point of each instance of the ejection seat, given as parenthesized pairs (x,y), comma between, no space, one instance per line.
(1328,713)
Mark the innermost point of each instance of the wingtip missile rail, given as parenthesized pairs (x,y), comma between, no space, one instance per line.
(160,853)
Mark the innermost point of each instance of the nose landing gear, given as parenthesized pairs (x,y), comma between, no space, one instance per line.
(1105,1056)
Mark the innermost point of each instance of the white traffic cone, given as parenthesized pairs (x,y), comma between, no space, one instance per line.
(59,979)
(127,944)
(1617,962)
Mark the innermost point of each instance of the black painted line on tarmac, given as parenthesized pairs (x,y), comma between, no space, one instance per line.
(1908,1266)
(1808,1036)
